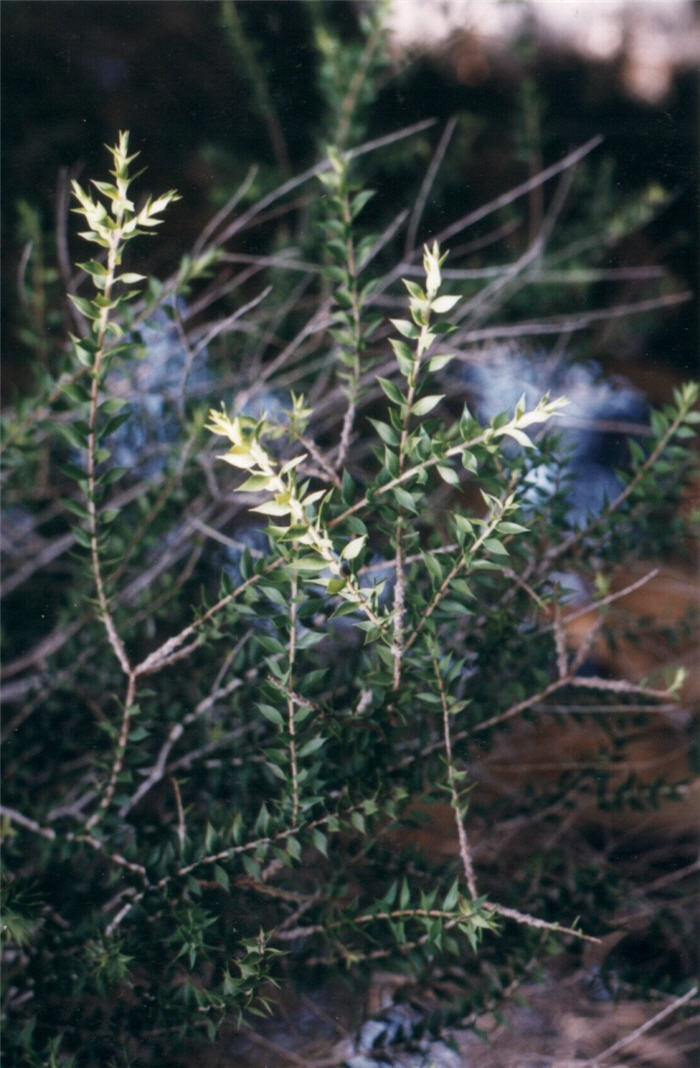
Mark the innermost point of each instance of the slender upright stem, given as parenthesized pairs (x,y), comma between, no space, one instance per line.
(464,849)
(397,646)
(93,520)
(290,696)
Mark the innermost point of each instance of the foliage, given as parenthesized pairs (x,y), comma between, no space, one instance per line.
(240,688)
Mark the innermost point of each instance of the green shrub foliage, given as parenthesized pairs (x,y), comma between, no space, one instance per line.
(240,644)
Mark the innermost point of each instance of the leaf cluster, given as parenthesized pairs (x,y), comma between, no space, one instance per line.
(276,648)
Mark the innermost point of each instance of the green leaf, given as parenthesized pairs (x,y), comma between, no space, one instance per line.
(336,274)
(358,822)
(270,645)
(426,404)
(441,305)
(344,297)
(386,433)
(390,896)
(354,548)
(449,604)
(415,290)
(82,537)
(404,356)
(112,405)
(433,567)
(448,474)
(130,278)
(517,435)
(76,392)
(255,483)
(320,841)
(76,508)
(495,546)
(73,471)
(359,200)
(390,389)
(106,188)
(436,363)
(401,349)
(307,683)
(103,303)
(272,508)
(276,770)
(463,524)
(107,478)
(347,488)
(72,435)
(311,564)
(93,267)
(311,746)
(272,714)
(251,867)
(221,877)
(469,462)
(404,498)
(406,328)
(451,897)
(113,423)
(85,357)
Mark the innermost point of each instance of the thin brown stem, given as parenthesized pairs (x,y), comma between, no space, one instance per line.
(180,813)
(291,726)
(21,820)
(460,565)
(114,639)
(465,853)
(118,763)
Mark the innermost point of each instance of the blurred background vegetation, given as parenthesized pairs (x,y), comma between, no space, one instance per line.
(211,89)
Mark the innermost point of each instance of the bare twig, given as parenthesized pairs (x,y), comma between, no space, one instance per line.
(520,270)
(229,207)
(123,913)
(100,847)
(161,768)
(611,597)
(359,77)
(293,183)
(593,683)
(24,821)
(427,184)
(555,324)
(533,921)
(524,188)
(560,644)
(675,1005)
(180,813)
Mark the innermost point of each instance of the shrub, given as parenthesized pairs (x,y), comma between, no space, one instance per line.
(230,693)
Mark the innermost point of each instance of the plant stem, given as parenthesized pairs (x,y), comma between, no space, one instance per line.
(464,850)
(114,639)
(290,696)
